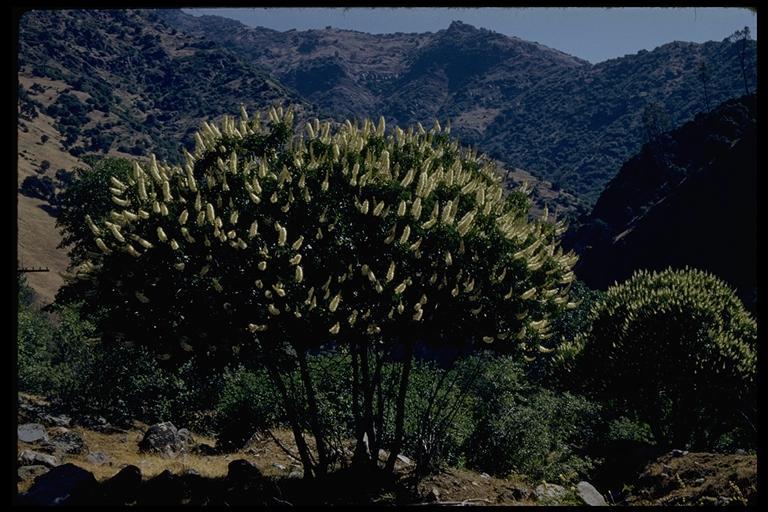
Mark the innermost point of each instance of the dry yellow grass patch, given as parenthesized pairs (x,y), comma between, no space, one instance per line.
(121,449)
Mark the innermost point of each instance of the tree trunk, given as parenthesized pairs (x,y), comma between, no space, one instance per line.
(360,452)
(367,389)
(314,415)
(293,420)
(397,443)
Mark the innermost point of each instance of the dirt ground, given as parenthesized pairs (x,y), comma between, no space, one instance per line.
(674,479)
(698,479)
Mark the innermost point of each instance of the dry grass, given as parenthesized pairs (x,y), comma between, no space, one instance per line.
(121,449)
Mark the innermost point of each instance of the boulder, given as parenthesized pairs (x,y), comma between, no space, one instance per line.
(32,432)
(241,470)
(166,489)
(246,486)
(63,485)
(123,488)
(68,441)
(30,458)
(162,438)
(549,492)
(590,495)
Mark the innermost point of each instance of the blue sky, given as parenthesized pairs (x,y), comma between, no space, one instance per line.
(593,34)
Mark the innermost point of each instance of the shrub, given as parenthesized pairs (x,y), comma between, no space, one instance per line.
(529,430)
(248,403)
(40,187)
(439,415)
(35,338)
(393,239)
(676,348)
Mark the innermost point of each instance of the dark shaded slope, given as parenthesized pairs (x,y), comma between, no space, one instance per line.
(687,199)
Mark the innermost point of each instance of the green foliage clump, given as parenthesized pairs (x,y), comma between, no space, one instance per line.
(60,357)
(246,404)
(525,429)
(676,348)
(35,340)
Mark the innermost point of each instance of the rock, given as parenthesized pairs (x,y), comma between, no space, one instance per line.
(486,476)
(59,421)
(739,451)
(550,492)
(31,472)
(678,453)
(68,441)
(517,493)
(279,466)
(433,495)
(31,433)
(46,447)
(30,412)
(123,487)
(204,449)
(240,470)
(405,460)
(185,436)
(63,485)
(296,474)
(97,423)
(166,489)
(590,495)
(97,458)
(30,458)
(161,438)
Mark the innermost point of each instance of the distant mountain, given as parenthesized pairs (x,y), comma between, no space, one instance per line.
(123,80)
(687,198)
(130,82)
(529,106)
(119,83)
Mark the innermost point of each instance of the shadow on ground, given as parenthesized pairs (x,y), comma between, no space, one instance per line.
(244,485)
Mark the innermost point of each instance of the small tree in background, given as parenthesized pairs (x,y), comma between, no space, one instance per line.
(678,349)
(265,246)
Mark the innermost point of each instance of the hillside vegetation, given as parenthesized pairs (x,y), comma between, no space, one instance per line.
(668,203)
(532,107)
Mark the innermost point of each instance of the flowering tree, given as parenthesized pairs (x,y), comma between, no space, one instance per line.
(267,245)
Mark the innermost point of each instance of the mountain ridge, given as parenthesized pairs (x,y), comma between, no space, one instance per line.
(576,122)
